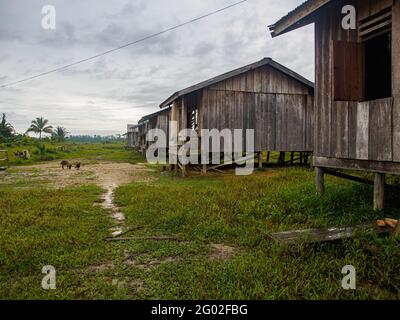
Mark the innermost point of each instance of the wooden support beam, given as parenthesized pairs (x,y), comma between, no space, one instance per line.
(396,232)
(357,179)
(379,191)
(291,158)
(319,179)
(268,156)
(260,160)
(183,171)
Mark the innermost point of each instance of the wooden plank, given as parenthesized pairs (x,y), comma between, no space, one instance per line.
(250,81)
(258,75)
(340,127)
(396,79)
(380,130)
(347,71)
(352,130)
(362,137)
(326,235)
(358,165)
(310,123)
(358,179)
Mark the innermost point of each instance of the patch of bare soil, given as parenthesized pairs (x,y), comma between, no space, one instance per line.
(104,174)
(101,268)
(219,251)
(108,175)
(144,261)
(136,284)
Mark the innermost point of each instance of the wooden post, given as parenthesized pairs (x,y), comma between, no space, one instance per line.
(396,232)
(379,191)
(268,156)
(291,158)
(183,170)
(319,179)
(204,169)
(260,160)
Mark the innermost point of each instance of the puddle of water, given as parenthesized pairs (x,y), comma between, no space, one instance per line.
(117,215)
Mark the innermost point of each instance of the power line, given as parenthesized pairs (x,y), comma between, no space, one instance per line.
(123,46)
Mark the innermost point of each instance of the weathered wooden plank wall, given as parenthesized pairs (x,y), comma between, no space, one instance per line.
(265,79)
(350,129)
(281,122)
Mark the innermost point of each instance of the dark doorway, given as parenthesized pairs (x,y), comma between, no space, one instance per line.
(378,67)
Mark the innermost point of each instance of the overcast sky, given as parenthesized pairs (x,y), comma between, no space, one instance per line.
(103,95)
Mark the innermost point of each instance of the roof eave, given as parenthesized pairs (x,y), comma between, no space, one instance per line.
(169,101)
(298,18)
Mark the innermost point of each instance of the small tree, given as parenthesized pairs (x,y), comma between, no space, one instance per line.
(6,129)
(59,134)
(39,126)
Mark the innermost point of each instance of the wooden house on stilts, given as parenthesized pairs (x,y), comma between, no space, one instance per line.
(158,120)
(357,98)
(265,96)
(132,136)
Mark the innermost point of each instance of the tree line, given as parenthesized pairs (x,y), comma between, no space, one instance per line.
(39,126)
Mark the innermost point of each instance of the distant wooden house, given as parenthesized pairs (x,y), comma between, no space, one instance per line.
(357,115)
(132,136)
(265,96)
(158,120)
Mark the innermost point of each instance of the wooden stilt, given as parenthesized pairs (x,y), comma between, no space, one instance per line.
(183,171)
(319,180)
(396,232)
(379,191)
(291,158)
(268,156)
(305,157)
(260,160)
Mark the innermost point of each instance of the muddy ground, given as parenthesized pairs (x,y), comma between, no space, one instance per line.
(104,174)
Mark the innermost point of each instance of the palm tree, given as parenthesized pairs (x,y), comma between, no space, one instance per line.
(60,134)
(6,129)
(40,125)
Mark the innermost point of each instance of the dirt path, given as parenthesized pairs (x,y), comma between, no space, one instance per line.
(108,175)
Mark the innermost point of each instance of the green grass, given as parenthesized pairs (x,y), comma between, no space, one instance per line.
(59,151)
(50,227)
(237,211)
(63,228)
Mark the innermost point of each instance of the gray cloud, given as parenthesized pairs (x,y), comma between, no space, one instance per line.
(104,94)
